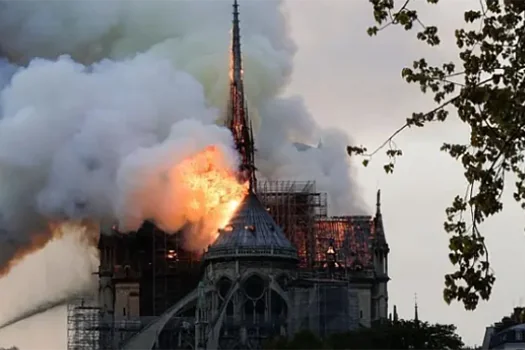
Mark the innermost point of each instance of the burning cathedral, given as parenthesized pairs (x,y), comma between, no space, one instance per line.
(280,265)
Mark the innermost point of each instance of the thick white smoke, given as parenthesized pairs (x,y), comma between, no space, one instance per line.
(69,131)
(49,276)
(102,84)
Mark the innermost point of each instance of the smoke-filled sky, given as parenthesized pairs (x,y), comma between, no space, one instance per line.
(113,95)
(354,82)
(103,102)
(345,80)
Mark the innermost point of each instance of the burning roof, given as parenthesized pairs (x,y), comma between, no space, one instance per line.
(251,232)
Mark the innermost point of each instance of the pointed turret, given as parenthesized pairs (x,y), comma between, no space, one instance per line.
(379,237)
(396,317)
(416,315)
(237,120)
(380,257)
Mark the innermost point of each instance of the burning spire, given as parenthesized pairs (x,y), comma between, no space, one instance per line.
(238,121)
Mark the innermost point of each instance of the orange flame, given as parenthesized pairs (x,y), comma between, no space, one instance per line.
(212,192)
(349,239)
(215,194)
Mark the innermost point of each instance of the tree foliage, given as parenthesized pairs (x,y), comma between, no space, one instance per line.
(302,340)
(485,90)
(392,335)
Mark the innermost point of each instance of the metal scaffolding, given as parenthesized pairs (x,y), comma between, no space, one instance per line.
(302,213)
(88,329)
(170,271)
(295,206)
(83,325)
(156,260)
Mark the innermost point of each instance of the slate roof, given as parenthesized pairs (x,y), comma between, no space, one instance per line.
(251,232)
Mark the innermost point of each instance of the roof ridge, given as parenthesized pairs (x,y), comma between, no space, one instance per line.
(251,231)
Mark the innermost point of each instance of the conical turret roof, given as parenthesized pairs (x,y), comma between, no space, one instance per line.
(251,233)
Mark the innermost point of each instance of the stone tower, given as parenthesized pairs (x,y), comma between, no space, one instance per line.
(380,251)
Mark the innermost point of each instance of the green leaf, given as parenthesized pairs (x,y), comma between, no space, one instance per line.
(372,31)
(483,95)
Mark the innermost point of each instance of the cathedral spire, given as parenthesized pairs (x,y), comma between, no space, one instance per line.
(237,120)
(236,50)
(380,238)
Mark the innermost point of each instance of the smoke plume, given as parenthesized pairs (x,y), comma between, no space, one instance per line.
(100,98)
(51,275)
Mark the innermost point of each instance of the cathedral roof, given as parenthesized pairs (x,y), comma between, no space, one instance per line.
(251,232)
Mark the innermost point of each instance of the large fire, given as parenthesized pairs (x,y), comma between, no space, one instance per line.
(214,190)
(208,192)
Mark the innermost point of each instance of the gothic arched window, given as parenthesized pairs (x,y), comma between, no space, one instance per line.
(254,287)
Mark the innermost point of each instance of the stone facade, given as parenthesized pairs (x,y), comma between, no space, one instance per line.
(244,302)
(254,286)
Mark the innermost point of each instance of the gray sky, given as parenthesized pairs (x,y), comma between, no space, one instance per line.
(353,82)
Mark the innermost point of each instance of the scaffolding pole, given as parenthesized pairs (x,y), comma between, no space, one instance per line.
(83,325)
(295,206)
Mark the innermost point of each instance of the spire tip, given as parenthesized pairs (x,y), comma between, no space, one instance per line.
(378,201)
(416,314)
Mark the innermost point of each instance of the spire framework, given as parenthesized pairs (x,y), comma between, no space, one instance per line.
(237,120)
